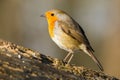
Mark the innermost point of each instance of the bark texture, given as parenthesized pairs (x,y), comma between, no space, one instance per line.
(19,63)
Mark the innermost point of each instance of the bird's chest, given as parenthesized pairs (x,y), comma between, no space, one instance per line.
(63,40)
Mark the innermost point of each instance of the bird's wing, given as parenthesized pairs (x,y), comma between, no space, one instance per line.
(76,32)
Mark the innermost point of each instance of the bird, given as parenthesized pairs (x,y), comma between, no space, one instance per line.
(68,35)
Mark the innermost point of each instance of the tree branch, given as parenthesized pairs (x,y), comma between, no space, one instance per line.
(17,62)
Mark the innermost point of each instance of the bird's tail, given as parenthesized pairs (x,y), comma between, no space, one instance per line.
(90,53)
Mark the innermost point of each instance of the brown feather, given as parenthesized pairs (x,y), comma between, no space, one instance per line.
(75,32)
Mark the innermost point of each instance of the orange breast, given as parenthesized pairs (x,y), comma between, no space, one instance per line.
(51,29)
(51,23)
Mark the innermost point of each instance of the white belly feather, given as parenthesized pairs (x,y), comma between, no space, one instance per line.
(64,41)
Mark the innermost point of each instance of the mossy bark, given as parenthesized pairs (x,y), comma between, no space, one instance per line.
(19,63)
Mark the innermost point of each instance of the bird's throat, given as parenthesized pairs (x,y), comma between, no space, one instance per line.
(51,28)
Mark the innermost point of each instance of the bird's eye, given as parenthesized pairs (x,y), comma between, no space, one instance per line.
(52,14)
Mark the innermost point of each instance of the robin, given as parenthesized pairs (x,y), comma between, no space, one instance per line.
(68,35)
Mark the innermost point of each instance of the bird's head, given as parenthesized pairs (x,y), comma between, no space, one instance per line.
(55,14)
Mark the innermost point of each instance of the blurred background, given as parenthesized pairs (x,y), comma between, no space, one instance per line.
(20,23)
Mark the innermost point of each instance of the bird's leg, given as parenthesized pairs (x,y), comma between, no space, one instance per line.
(70,58)
(66,57)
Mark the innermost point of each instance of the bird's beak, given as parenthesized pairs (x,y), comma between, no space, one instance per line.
(42,15)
